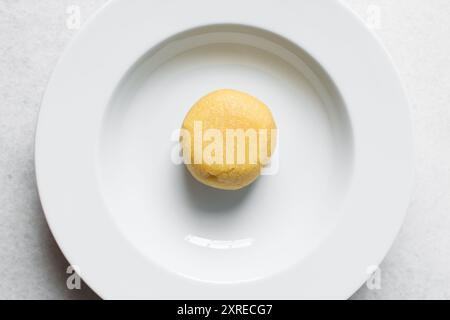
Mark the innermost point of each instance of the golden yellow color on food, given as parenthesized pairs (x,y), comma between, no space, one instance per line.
(227,137)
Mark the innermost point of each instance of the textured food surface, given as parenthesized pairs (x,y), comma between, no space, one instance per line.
(229,109)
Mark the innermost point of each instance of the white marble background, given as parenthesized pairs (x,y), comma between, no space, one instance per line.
(33,35)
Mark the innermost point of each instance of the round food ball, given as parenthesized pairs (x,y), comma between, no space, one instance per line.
(227,137)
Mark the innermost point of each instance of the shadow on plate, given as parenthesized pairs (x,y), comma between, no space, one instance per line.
(213,201)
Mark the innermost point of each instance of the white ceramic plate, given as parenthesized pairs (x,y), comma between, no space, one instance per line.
(138,226)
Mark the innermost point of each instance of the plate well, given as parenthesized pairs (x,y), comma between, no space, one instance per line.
(225,236)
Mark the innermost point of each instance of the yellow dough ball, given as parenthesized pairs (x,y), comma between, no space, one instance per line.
(227,137)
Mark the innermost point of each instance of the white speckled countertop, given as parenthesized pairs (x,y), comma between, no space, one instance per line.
(33,35)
